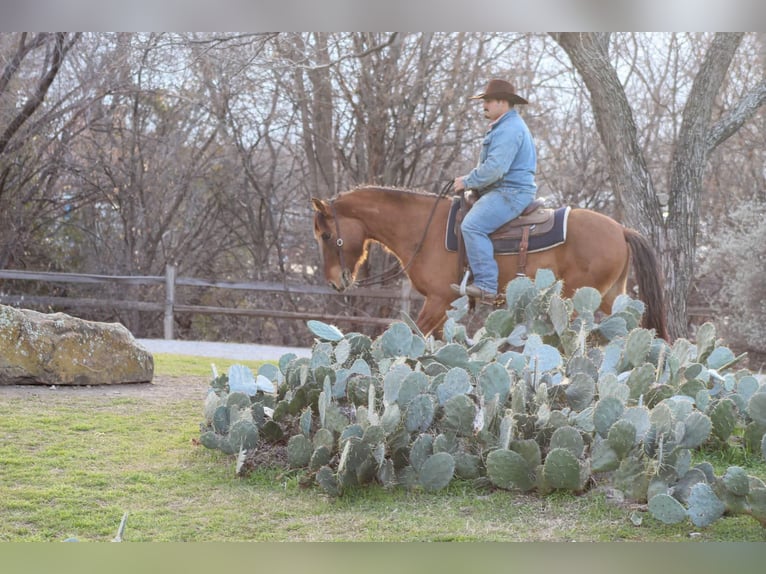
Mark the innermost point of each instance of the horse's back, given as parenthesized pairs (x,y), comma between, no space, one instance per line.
(594,254)
(592,227)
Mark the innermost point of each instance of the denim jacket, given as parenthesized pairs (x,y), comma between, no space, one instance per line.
(508,159)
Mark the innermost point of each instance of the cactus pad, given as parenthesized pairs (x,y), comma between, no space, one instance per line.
(420,413)
(724,419)
(324,331)
(586,300)
(508,469)
(756,408)
(561,470)
(569,438)
(467,466)
(299,450)
(328,482)
(210,440)
(396,340)
(704,506)
(606,413)
(603,457)
(494,381)
(621,437)
(697,427)
(705,340)
(631,478)
(637,346)
(243,434)
(736,481)
(667,509)
(319,458)
(457,381)
(529,449)
(422,448)
(580,391)
(437,471)
(682,489)
(459,415)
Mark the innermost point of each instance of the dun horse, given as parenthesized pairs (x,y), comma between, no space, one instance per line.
(412,225)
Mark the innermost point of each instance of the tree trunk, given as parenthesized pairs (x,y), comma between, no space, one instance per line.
(316,112)
(674,237)
(687,170)
(322,115)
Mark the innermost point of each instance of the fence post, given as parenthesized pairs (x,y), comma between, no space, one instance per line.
(406,291)
(170,295)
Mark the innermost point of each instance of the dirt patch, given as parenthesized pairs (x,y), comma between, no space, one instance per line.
(161,389)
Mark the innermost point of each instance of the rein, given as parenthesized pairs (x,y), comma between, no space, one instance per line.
(395,270)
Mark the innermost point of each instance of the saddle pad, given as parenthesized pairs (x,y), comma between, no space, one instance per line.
(507,246)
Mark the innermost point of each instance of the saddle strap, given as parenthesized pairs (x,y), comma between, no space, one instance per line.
(521,271)
(462,258)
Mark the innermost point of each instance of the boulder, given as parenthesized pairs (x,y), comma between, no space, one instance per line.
(58,349)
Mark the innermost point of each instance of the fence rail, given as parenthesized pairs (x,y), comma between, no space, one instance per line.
(170,307)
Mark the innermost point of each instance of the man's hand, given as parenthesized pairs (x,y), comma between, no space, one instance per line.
(459,185)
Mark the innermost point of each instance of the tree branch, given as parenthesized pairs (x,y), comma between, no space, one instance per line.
(60,50)
(736,117)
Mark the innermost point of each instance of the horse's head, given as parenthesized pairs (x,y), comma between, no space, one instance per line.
(342,243)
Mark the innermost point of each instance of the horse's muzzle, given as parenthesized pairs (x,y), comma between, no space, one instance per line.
(346,281)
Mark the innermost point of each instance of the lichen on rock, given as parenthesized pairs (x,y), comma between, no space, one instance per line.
(58,349)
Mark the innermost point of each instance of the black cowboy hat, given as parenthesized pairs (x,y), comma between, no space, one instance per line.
(500,90)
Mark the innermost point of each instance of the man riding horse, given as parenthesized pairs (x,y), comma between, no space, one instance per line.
(504,180)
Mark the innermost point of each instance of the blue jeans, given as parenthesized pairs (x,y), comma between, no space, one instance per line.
(493,209)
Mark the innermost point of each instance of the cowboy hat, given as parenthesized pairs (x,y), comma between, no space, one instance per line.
(500,90)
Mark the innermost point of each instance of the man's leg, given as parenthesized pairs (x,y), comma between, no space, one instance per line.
(492,210)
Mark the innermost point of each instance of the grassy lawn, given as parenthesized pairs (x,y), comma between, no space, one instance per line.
(71,464)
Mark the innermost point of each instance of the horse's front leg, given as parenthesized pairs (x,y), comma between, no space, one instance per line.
(432,316)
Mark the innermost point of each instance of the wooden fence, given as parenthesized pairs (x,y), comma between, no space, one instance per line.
(405,296)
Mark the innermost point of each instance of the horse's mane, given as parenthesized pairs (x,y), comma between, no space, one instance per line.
(389,189)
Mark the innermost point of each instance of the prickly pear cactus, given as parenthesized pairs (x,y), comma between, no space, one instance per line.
(544,397)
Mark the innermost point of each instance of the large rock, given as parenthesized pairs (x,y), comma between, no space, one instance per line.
(57,349)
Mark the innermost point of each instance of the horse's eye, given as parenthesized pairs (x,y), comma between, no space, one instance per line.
(326,236)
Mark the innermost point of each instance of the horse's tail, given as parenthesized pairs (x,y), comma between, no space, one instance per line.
(647,271)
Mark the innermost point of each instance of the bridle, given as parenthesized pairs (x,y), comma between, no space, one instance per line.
(395,270)
(339,239)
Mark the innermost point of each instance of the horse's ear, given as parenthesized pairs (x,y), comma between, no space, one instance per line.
(320,205)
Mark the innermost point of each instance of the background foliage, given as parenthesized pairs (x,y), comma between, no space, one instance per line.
(121,152)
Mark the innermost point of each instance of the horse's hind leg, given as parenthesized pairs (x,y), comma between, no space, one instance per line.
(617,288)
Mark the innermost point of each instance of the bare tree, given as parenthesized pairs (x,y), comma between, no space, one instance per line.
(151,163)
(127,151)
(28,135)
(675,236)
(315,103)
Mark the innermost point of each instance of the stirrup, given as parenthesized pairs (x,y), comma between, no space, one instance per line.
(464,282)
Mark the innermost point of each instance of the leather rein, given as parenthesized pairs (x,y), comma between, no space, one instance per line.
(395,270)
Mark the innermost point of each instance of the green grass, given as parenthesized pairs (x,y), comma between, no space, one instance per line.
(72,464)
(184,365)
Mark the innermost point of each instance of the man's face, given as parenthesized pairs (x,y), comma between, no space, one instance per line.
(493,109)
